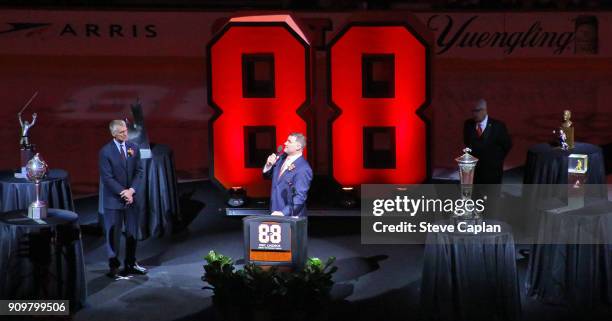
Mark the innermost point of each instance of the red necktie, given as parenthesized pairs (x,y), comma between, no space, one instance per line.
(122,152)
(478,130)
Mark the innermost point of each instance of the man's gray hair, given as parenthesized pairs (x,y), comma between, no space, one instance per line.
(112,126)
(300,138)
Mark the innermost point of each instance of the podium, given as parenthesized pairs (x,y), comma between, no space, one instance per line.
(275,240)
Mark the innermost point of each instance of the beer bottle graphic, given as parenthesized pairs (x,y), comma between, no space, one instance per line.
(586,31)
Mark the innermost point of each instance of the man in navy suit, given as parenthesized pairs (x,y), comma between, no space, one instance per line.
(291,176)
(121,173)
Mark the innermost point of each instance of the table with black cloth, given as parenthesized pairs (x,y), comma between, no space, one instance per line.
(42,259)
(547,164)
(470,277)
(160,209)
(572,262)
(19,193)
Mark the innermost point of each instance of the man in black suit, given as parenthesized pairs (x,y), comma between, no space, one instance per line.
(489,141)
(121,173)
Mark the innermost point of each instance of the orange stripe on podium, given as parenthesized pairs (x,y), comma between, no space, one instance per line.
(270,256)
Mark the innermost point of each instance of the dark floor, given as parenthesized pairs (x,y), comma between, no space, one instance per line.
(373,282)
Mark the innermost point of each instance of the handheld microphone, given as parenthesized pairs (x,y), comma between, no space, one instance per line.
(280,150)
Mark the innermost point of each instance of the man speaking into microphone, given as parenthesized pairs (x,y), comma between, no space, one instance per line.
(291,176)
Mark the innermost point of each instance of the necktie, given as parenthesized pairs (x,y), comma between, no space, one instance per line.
(478,130)
(122,152)
(284,167)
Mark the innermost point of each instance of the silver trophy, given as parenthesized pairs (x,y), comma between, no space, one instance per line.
(25,130)
(36,170)
(467,165)
(27,149)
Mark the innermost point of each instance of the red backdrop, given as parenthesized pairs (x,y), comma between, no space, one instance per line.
(89,66)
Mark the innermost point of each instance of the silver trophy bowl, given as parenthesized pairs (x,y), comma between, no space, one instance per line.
(36,169)
(467,165)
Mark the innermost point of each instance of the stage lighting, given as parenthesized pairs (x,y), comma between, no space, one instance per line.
(348,197)
(237,196)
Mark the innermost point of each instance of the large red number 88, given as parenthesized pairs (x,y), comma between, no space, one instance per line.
(275,49)
(379,111)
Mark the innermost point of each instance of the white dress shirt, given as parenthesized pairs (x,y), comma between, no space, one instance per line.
(288,161)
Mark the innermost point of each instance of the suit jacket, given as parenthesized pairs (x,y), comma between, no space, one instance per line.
(294,182)
(490,148)
(118,174)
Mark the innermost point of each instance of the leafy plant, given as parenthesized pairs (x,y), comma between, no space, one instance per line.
(263,286)
(221,275)
(311,287)
(256,289)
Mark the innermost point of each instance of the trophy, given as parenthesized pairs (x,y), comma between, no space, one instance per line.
(563,140)
(26,148)
(36,170)
(25,129)
(137,132)
(566,132)
(467,165)
(577,168)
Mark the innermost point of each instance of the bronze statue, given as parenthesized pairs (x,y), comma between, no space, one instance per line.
(567,128)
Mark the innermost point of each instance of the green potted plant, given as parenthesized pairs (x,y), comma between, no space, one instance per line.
(309,289)
(265,288)
(268,294)
(226,283)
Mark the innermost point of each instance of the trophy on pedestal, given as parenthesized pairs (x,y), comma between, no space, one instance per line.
(36,170)
(577,167)
(467,165)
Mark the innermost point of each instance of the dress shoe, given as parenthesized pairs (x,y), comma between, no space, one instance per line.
(113,272)
(134,269)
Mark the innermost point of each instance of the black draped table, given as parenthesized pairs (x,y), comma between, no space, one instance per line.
(470,277)
(18,193)
(160,209)
(42,259)
(572,262)
(548,165)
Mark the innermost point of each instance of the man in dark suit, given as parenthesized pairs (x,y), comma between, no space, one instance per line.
(291,176)
(121,173)
(489,141)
